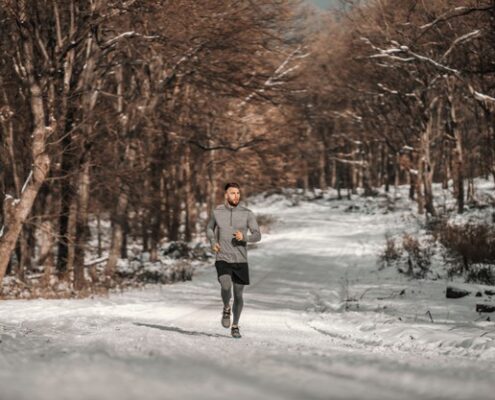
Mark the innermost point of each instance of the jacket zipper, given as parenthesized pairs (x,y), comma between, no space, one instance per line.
(231,217)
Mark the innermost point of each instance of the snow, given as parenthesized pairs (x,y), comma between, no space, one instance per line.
(320,321)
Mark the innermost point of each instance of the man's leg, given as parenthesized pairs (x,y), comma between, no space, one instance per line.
(226,289)
(238,302)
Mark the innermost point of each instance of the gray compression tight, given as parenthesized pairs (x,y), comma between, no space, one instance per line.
(226,291)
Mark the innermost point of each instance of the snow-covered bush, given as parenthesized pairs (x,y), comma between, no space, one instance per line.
(176,261)
(484,274)
(470,250)
(464,249)
(418,255)
(411,255)
(392,252)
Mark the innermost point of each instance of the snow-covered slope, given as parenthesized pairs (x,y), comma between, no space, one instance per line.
(320,321)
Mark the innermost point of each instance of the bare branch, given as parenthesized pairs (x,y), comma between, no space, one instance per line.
(456,12)
(277,74)
(461,39)
(130,34)
(247,144)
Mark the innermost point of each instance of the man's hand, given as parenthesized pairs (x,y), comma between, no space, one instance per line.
(216,247)
(238,236)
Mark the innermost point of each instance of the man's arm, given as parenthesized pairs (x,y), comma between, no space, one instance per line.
(210,230)
(255,235)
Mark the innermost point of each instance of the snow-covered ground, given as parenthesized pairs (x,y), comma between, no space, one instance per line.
(320,321)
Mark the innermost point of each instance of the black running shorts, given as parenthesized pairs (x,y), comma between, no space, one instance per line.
(239,272)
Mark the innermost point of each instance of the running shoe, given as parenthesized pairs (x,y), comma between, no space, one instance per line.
(235,332)
(226,318)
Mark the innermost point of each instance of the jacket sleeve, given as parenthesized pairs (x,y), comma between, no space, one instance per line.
(255,235)
(210,229)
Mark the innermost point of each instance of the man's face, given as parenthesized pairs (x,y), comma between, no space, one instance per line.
(233,195)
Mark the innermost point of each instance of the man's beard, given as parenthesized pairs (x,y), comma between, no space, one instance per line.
(231,202)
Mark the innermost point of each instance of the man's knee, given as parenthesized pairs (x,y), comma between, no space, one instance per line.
(225,281)
(238,289)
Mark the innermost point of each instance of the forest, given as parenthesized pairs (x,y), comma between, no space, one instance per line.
(120,121)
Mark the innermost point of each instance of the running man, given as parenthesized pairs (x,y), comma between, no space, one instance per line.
(227,231)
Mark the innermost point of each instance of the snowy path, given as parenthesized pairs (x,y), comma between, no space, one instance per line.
(297,343)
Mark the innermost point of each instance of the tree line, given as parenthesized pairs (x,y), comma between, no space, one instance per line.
(134,112)
(403,92)
(125,111)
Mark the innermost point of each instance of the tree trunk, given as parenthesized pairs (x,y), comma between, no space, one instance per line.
(125,236)
(156,226)
(458,163)
(99,235)
(23,255)
(47,242)
(120,212)
(428,165)
(355,172)
(305,176)
(417,183)
(71,236)
(64,242)
(8,129)
(382,178)
(118,221)
(188,197)
(175,203)
(322,163)
(470,192)
(339,177)
(490,126)
(17,210)
(82,230)
(212,186)
(333,179)
(66,193)
(397,172)
(446,174)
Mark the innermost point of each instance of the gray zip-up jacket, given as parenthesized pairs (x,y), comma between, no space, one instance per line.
(224,222)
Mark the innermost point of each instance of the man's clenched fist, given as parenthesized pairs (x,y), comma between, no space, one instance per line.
(238,236)
(216,247)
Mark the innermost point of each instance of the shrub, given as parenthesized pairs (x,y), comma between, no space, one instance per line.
(466,247)
(418,256)
(391,254)
(411,257)
(483,274)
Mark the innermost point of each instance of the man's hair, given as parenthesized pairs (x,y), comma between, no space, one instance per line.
(232,184)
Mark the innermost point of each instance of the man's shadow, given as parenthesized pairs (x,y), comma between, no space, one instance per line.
(179,330)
